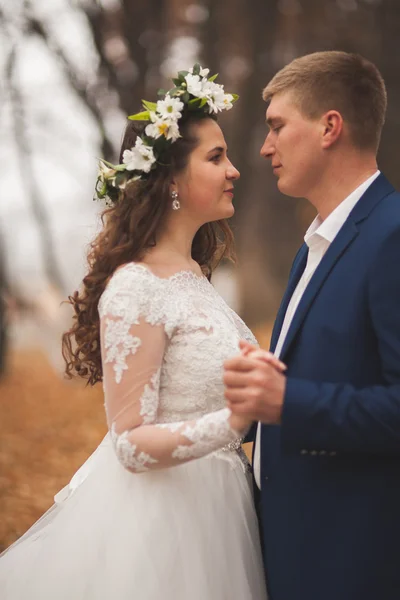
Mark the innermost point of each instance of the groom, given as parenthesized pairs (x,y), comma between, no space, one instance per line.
(327,451)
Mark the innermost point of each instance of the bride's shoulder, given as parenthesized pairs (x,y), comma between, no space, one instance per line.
(134,284)
(133,269)
(134,292)
(133,273)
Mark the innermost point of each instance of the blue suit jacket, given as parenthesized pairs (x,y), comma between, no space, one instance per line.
(330,473)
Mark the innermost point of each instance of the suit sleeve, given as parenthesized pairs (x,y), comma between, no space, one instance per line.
(338,417)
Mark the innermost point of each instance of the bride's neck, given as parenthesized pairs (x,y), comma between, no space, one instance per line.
(174,246)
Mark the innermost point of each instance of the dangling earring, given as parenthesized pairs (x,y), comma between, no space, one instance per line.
(175,202)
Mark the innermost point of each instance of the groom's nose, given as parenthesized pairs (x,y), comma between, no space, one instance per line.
(267,148)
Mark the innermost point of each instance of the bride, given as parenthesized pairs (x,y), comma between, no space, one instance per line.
(164,507)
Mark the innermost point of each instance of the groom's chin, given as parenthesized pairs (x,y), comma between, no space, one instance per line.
(282,187)
(287,189)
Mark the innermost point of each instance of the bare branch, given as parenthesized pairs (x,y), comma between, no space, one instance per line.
(36,27)
(27,173)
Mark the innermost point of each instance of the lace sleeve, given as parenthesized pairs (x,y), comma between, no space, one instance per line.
(133,346)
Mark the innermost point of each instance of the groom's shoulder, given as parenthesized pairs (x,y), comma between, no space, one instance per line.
(387,211)
(379,226)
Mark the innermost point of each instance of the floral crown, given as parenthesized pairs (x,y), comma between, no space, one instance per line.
(193,91)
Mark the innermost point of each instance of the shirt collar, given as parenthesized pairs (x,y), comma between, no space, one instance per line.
(329,228)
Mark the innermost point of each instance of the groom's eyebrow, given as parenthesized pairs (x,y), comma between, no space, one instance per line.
(271,121)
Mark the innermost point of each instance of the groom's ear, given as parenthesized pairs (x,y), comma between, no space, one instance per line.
(332,127)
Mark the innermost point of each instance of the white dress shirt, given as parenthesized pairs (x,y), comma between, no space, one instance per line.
(318,238)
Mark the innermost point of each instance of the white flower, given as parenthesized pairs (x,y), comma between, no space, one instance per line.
(217,100)
(139,158)
(169,108)
(195,85)
(157,129)
(105,177)
(203,72)
(228,101)
(153,116)
(106,173)
(169,129)
(173,132)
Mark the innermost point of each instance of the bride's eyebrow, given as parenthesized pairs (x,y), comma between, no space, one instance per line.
(217,149)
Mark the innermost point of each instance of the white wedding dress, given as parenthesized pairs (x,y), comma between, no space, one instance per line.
(163,508)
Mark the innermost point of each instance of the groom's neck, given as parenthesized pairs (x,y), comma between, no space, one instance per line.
(341,177)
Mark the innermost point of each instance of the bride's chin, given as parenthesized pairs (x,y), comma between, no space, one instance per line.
(230,211)
(223,213)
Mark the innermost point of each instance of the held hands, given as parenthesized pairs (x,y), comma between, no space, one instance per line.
(254,387)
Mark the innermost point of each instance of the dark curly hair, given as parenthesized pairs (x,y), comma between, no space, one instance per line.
(130,228)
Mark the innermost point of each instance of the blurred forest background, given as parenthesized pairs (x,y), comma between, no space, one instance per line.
(71,70)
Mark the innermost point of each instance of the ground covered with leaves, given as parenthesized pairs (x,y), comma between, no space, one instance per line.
(48,427)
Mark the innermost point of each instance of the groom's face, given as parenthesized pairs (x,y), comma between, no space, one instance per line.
(293,145)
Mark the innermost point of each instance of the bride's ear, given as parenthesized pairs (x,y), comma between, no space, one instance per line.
(332,127)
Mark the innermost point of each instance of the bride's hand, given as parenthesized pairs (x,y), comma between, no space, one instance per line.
(239,423)
(257,353)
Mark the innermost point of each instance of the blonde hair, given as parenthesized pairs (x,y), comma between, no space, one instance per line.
(340,81)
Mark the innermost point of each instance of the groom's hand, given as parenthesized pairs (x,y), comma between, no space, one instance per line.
(254,385)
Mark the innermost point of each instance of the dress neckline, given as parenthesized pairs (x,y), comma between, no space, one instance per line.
(182,273)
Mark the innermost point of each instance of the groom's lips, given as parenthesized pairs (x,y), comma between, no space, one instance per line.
(275,167)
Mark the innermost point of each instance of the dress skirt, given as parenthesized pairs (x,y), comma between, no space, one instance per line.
(183,533)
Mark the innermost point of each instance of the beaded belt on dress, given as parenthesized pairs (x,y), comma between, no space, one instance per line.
(238,453)
(232,446)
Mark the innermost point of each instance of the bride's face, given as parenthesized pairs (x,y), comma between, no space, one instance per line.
(205,186)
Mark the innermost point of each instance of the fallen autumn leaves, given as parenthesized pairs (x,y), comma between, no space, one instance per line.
(48,427)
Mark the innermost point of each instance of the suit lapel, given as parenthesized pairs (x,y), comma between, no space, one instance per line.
(374,194)
(334,252)
(297,271)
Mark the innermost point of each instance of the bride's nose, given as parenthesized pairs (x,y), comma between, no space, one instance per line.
(232,172)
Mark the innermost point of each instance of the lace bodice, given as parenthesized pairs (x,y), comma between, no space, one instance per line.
(163,344)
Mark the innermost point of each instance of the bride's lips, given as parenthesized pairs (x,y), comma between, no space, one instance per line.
(229,191)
